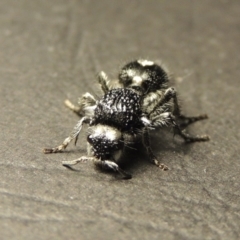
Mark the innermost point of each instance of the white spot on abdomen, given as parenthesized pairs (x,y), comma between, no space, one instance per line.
(144,62)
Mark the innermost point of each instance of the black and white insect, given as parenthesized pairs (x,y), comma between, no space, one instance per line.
(139,101)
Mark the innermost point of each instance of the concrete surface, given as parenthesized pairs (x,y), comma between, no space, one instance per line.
(52,50)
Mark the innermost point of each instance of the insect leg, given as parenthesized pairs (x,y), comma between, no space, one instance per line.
(188,138)
(168,117)
(107,164)
(152,157)
(171,93)
(87,100)
(74,108)
(187,120)
(74,135)
(103,81)
(82,159)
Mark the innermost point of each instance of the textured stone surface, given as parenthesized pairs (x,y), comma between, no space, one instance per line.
(52,50)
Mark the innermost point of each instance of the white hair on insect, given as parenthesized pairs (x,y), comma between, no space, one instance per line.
(144,62)
(109,132)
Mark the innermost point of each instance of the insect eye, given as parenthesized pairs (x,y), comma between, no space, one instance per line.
(146,84)
(128,81)
(125,78)
(90,139)
(119,143)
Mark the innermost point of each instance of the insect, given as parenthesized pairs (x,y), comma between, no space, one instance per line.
(139,101)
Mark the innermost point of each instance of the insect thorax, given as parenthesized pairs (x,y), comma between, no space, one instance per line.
(120,108)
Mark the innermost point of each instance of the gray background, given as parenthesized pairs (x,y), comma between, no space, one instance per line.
(52,50)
